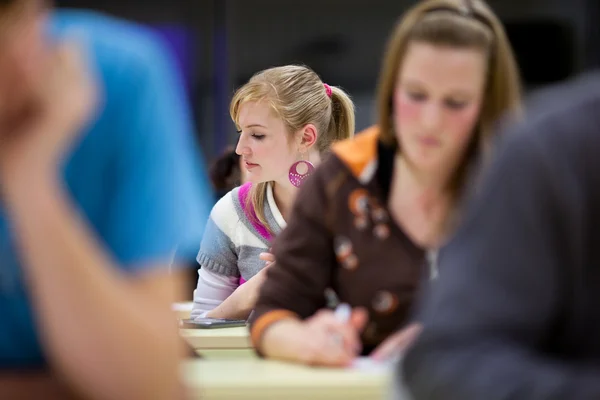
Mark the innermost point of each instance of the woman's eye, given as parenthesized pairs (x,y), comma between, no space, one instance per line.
(455,105)
(417,96)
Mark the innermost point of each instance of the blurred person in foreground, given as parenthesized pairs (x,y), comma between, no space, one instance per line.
(98,185)
(519,316)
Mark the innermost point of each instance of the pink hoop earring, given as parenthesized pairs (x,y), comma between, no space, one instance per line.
(297,178)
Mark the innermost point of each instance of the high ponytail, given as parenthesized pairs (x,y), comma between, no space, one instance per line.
(342,123)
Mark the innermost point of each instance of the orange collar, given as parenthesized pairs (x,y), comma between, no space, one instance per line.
(359,153)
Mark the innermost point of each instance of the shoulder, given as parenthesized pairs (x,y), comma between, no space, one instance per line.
(113,41)
(354,157)
(131,62)
(358,153)
(549,154)
(570,106)
(135,73)
(324,184)
(560,127)
(143,116)
(226,208)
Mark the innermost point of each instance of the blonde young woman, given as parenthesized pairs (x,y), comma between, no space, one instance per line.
(362,225)
(287,119)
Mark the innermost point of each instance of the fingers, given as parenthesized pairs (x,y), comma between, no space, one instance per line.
(359,318)
(267,257)
(397,343)
(333,356)
(409,335)
(342,334)
(319,350)
(327,341)
(386,349)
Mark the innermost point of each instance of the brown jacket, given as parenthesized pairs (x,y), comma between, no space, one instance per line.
(340,236)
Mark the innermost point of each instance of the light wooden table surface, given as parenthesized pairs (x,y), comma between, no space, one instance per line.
(217,338)
(254,378)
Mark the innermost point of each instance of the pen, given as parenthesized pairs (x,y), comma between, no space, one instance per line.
(342,314)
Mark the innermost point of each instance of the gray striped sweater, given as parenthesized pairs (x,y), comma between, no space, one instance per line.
(231,244)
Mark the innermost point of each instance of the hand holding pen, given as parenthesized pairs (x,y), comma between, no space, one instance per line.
(335,335)
(328,338)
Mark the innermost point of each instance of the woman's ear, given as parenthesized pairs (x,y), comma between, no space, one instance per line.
(307,137)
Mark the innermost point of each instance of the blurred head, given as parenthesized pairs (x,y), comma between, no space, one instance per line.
(226,172)
(284,115)
(23,52)
(449,73)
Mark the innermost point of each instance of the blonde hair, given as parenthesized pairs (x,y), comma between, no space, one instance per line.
(299,97)
(461,24)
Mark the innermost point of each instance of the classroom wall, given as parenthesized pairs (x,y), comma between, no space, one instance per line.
(341,39)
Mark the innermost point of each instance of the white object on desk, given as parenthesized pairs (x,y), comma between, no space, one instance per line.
(368,364)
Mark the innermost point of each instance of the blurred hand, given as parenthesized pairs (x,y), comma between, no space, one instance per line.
(397,343)
(267,257)
(40,134)
(324,340)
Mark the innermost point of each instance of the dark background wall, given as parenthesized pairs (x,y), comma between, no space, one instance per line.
(226,41)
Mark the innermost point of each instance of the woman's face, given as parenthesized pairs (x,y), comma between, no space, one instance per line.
(437,101)
(264,144)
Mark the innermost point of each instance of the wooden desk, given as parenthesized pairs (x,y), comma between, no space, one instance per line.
(220,338)
(257,379)
(210,354)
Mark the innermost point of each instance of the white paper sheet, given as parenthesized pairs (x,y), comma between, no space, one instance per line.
(367,364)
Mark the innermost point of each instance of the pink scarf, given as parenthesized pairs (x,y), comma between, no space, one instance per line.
(251,215)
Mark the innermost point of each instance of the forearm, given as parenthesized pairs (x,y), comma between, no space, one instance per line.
(106,337)
(279,341)
(233,307)
(211,291)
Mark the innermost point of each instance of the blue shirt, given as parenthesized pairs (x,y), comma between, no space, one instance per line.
(135,173)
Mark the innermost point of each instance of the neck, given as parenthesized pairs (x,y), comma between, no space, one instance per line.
(426,189)
(284,194)
(420,203)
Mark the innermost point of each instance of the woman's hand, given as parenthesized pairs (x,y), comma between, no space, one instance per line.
(320,340)
(267,257)
(397,343)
